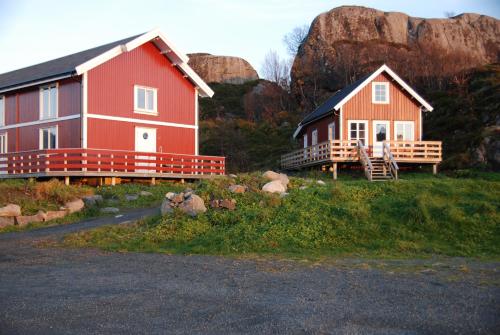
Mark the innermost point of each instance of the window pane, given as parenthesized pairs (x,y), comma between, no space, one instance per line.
(361,126)
(45,103)
(353,135)
(53,102)
(52,139)
(141,98)
(353,126)
(2,111)
(45,139)
(150,100)
(361,134)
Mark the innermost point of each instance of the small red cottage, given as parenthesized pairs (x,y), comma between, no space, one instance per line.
(376,121)
(128,108)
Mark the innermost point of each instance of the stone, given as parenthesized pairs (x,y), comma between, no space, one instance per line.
(271,175)
(6,221)
(166,208)
(110,210)
(303,187)
(25,220)
(74,206)
(274,186)
(170,195)
(10,210)
(228,204)
(131,197)
(214,203)
(237,189)
(193,206)
(232,176)
(320,182)
(92,200)
(222,69)
(145,194)
(187,194)
(178,198)
(52,215)
(282,195)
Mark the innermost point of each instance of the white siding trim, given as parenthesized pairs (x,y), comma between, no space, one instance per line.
(84,109)
(138,110)
(2,105)
(421,125)
(36,83)
(38,122)
(387,96)
(341,124)
(126,119)
(196,116)
(40,137)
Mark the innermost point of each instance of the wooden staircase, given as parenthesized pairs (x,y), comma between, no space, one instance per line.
(378,168)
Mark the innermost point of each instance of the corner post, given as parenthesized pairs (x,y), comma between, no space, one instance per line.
(434,169)
(334,171)
(66,180)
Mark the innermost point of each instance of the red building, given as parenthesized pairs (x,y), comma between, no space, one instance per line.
(90,113)
(376,121)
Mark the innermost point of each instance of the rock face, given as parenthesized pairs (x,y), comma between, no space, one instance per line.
(347,42)
(222,69)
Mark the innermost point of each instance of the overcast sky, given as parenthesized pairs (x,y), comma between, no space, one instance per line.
(33,31)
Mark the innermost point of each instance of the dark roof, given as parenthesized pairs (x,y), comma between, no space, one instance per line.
(55,68)
(327,107)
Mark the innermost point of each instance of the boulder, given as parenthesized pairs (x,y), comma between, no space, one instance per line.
(170,195)
(274,186)
(145,194)
(74,206)
(131,197)
(178,198)
(214,203)
(237,188)
(166,208)
(110,210)
(193,205)
(321,182)
(92,200)
(228,204)
(6,221)
(52,215)
(24,220)
(271,175)
(232,176)
(10,210)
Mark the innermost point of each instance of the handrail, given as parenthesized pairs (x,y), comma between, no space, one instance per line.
(389,160)
(365,160)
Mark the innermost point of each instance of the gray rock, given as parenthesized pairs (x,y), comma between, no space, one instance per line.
(131,197)
(193,206)
(25,220)
(110,210)
(274,186)
(92,200)
(145,194)
(74,206)
(232,176)
(166,208)
(6,221)
(10,210)
(321,182)
(170,195)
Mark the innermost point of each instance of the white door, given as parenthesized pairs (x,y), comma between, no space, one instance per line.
(3,150)
(381,133)
(331,131)
(305,146)
(145,141)
(314,141)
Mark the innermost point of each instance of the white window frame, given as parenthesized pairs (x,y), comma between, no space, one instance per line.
(2,114)
(387,98)
(5,143)
(403,123)
(155,100)
(306,142)
(40,137)
(42,88)
(367,133)
(331,131)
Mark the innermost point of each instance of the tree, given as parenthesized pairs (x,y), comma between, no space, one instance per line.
(294,39)
(276,69)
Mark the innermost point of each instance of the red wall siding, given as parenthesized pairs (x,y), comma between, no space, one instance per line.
(115,135)
(322,126)
(111,86)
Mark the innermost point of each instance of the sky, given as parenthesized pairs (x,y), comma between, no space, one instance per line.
(33,31)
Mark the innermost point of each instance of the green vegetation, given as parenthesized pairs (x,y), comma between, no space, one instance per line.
(419,216)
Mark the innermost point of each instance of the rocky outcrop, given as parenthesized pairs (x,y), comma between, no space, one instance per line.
(222,69)
(186,202)
(347,42)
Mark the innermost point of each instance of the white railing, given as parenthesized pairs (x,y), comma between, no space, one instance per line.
(416,151)
(389,161)
(364,159)
(329,151)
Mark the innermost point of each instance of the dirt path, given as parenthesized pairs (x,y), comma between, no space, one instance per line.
(62,291)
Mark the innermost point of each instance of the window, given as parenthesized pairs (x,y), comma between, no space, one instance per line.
(48,138)
(3,143)
(380,93)
(404,130)
(358,131)
(145,100)
(331,131)
(2,111)
(314,137)
(305,140)
(48,102)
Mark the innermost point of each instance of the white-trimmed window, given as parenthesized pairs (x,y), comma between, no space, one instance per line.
(331,131)
(305,141)
(404,130)
(3,143)
(48,102)
(48,138)
(380,92)
(145,100)
(2,111)
(358,130)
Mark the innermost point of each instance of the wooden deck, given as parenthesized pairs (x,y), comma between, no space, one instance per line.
(336,151)
(108,163)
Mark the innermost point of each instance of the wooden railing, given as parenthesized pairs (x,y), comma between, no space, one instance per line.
(389,161)
(335,150)
(95,161)
(347,151)
(364,159)
(416,151)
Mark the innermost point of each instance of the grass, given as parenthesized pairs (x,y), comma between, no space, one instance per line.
(418,216)
(51,195)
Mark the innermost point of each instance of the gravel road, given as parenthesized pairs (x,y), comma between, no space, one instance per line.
(46,290)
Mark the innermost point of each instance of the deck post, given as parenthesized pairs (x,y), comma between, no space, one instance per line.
(182,180)
(113,181)
(153,181)
(335,171)
(434,169)
(66,180)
